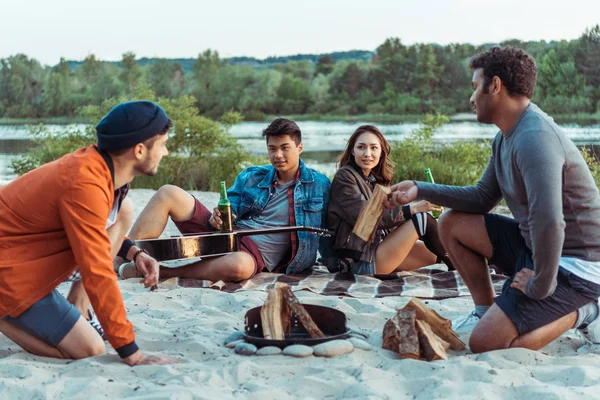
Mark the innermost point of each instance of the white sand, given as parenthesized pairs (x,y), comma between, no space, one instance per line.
(191,324)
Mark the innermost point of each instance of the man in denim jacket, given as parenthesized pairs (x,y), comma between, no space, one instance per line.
(285,193)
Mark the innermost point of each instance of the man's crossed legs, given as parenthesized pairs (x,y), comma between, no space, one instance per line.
(190,216)
(513,319)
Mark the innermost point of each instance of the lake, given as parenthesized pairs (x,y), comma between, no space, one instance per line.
(322,141)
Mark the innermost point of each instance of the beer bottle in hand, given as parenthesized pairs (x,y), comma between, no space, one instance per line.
(224,208)
(429,178)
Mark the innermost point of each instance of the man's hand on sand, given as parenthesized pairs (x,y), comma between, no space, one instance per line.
(215,219)
(138,358)
(521,279)
(149,268)
(402,193)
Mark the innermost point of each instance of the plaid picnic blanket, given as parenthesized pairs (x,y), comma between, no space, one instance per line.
(428,283)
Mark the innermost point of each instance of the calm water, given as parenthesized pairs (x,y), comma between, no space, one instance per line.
(322,140)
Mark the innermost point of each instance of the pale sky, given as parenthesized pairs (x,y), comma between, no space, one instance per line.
(48,30)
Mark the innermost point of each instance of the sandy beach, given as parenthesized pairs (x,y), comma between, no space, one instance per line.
(191,325)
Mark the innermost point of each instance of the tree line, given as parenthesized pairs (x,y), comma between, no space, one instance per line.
(394,79)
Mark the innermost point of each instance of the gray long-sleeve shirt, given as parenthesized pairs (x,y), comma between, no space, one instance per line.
(548,188)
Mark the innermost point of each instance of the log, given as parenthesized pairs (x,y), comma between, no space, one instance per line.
(275,315)
(368,219)
(439,325)
(400,335)
(299,311)
(432,346)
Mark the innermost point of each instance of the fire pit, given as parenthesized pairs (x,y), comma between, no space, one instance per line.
(332,323)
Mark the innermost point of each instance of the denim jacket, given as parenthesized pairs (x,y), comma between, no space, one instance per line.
(251,191)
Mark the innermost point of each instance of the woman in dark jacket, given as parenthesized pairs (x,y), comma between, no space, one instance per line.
(364,163)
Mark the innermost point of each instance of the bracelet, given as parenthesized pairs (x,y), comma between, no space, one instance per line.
(137,253)
(406,212)
(127,244)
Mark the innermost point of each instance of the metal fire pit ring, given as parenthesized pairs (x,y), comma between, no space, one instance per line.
(332,323)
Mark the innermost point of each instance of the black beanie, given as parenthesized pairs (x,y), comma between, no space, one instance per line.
(128,124)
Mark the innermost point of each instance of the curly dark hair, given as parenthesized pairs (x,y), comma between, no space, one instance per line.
(281,127)
(514,66)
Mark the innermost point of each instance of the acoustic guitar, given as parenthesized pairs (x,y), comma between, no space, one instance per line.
(210,244)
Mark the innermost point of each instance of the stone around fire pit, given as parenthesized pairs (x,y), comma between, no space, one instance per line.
(333,348)
(360,344)
(298,350)
(268,351)
(235,336)
(231,345)
(245,349)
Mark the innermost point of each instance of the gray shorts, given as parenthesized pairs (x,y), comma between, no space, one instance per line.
(50,319)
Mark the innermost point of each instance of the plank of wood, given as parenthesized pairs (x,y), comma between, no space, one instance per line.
(432,346)
(368,219)
(439,325)
(300,312)
(400,335)
(275,315)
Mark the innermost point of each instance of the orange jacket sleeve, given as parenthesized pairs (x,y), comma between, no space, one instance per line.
(84,209)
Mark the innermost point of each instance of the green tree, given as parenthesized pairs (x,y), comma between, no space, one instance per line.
(58,91)
(587,61)
(21,86)
(161,78)
(324,65)
(131,73)
(204,77)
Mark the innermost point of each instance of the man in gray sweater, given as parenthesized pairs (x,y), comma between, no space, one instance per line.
(551,249)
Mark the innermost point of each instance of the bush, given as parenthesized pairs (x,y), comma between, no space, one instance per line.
(460,163)
(593,163)
(566,104)
(201,151)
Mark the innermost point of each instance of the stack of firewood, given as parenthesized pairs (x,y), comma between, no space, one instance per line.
(276,313)
(419,332)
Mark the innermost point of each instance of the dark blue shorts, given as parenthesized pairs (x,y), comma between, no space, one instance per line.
(511,254)
(50,319)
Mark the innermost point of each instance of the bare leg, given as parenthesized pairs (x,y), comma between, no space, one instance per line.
(418,257)
(82,341)
(496,331)
(236,266)
(172,201)
(168,201)
(466,240)
(394,248)
(29,343)
(77,295)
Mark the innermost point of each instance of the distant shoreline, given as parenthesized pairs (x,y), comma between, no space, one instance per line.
(584,118)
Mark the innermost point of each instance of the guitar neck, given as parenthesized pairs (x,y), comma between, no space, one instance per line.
(284,229)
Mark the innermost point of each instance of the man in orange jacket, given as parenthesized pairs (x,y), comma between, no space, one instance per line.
(66,215)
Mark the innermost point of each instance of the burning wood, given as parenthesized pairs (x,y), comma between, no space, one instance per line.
(419,332)
(277,311)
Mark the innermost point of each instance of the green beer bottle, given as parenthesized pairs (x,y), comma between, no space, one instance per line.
(429,179)
(224,208)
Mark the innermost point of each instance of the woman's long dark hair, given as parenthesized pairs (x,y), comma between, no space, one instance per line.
(384,170)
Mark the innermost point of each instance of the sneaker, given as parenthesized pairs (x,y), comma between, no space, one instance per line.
(465,324)
(591,333)
(93,320)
